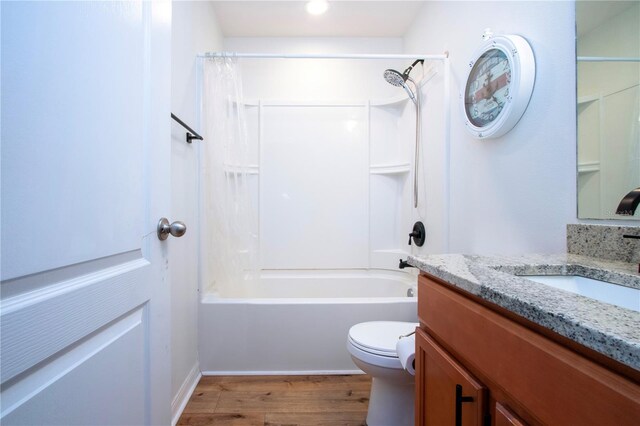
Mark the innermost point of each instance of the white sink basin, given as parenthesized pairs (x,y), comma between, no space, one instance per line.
(603,291)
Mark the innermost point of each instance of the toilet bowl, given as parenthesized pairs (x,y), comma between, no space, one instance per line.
(372,346)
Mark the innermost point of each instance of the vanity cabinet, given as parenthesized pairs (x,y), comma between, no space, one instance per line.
(446,384)
(478,364)
(505,417)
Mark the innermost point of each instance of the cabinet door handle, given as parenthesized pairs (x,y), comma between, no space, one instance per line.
(459,400)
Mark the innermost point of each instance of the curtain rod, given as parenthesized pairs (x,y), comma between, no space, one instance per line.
(606,59)
(443,56)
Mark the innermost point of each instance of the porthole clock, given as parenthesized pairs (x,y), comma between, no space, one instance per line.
(498,86)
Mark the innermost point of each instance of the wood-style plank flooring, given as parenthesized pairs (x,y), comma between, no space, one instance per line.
(278,400)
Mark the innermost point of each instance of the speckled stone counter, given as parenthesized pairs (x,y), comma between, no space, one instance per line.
(605,328)
(604,242)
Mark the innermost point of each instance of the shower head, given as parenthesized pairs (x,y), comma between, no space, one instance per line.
(400,80)
(394,77)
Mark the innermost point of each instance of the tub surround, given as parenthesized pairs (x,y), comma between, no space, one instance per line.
(607,329)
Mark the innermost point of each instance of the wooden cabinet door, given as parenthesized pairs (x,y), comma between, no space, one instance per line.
(446,394)
(505,417)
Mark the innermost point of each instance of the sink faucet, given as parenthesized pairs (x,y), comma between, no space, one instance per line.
(629,203)
(635,237)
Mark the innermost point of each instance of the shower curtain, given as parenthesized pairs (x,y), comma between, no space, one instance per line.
(229,243)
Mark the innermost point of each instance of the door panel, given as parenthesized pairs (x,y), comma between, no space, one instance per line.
(93,370)
(72,152)
(84,308)
(39,324)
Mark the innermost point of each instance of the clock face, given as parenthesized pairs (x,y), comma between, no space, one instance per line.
(487,90)
(498,87)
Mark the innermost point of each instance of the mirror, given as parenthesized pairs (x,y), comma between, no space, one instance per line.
(608,49)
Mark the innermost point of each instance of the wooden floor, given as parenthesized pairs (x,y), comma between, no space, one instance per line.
(278,400)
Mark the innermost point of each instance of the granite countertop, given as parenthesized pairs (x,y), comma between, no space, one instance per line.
(608,329)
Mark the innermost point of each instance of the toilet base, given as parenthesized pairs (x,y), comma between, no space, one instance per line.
(391,402)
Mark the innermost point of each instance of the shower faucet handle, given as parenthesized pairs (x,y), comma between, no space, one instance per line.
(418,234)
(411,235)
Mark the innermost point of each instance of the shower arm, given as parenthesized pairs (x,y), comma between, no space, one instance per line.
(408,70)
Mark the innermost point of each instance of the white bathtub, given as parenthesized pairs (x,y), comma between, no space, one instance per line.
(297,322)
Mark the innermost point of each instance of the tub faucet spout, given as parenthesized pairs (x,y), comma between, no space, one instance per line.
(404,264)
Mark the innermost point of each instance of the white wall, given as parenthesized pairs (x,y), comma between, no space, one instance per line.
(513,194)
(195,30)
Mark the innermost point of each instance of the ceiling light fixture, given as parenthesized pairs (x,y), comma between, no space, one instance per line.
(317,7)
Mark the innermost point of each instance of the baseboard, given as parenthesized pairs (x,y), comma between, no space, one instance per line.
(182,398)
(282,373)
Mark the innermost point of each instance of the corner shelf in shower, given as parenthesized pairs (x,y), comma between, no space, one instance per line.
(391,252)
(396,100)
(248,103)
(233,169)
(588,167)
(389,169)
(587,99)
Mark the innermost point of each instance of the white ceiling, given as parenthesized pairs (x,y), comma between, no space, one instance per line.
(354,18)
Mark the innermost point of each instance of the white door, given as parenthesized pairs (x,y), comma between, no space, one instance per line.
(85,179)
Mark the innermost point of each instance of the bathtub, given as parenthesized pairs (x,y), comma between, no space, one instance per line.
(297,322)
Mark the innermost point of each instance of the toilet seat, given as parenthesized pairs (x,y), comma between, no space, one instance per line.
(375,342)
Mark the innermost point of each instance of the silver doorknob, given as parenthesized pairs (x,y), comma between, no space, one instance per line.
(177,229)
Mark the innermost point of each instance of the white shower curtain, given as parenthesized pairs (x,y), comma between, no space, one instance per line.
(229,241)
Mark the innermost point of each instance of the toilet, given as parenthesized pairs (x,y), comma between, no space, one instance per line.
(372,346)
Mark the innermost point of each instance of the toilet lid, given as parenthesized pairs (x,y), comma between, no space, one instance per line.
(380,336)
